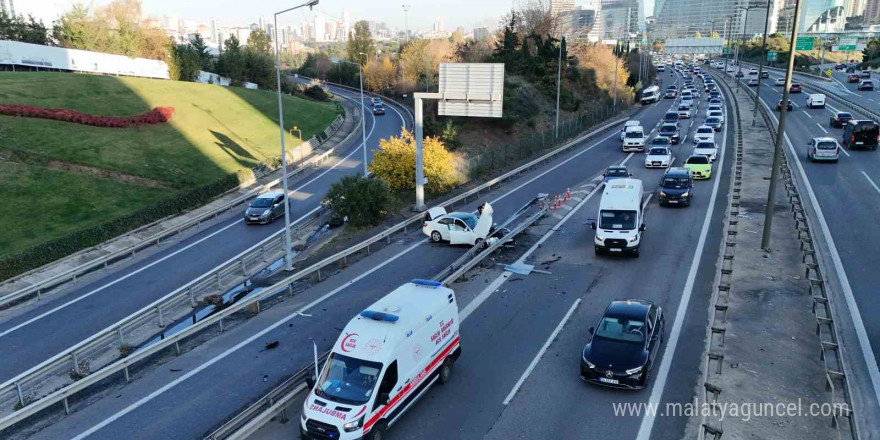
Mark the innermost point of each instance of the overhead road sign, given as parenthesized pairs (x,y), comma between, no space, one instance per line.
(471,89)
(694,45)
(804,43)
(848,44)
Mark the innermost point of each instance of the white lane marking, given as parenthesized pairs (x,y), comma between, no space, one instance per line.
(280,322)
(822,128)
(662,375)
(871,181)
(541,352)
(124,277)
(855,315)
(795,104)
(844,151)
(808,114)
(833,110)
(488,291)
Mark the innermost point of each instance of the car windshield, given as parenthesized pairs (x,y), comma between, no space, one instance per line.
(683,107)
(697,160)
(826,145)
(621,329)
(667,128)
(617,219)
(469,219)
(634,134)
(703,145)
(262,202)
(704,130)
(348,380)
(675,182)
(712,120)
(660,141)
(715,113)
(844,115)
(659,151)
(672,115)
(616,172)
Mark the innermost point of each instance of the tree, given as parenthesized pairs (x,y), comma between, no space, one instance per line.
(395,163)
(198,44)
(184,63)
(379,75)
(231,62)
(360,46)
(259,68)
(16,28)
(259,41)
(363,200)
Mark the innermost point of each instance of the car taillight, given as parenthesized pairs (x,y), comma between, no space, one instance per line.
(852,138)
(814,151)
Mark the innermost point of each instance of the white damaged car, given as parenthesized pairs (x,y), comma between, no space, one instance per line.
(458,227)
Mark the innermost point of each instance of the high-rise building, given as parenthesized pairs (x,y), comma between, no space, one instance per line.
(8,7)
(560,7)
(620,18)
(320,28)
(439,25)
(872,12)
(684,18)
(481,33)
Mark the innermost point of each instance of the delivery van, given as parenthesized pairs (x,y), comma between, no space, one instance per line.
(634,139)
(650,95)
(620,224)
(385,359)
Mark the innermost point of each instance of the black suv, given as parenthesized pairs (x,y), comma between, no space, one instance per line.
(861,134)
(677,187)
(624,345)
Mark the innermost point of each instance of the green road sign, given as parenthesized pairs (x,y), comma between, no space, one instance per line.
(725,51)
(644,41)
(804,43)
(772,56)
(847,44)
(847,48)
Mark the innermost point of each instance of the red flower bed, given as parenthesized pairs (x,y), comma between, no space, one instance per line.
(156,116)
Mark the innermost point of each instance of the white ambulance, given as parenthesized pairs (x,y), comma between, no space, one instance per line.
(383,361)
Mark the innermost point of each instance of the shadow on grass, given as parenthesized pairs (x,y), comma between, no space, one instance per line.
(234,150)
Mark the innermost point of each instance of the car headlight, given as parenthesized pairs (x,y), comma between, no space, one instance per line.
(633,238)
(662,194)
(589,364)
(354,425)
(685,194)
(634,370)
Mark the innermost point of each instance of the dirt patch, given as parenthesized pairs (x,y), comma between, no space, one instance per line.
(92,171)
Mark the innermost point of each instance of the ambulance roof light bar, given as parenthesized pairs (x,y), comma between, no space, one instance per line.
(427,283)
(379,316)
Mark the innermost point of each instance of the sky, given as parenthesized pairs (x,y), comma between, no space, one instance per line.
(421,16)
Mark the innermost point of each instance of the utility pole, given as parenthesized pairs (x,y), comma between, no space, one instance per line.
(558,88)
(406,21)
(780,133)
(761,64)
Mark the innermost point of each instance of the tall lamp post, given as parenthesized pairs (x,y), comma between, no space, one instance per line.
(363,108)
(761,64)
(558,88)
(288,251)
(406,21)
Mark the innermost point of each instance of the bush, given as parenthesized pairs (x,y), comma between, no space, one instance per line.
(363,200)
(156,116)
(316,92)
(395,163)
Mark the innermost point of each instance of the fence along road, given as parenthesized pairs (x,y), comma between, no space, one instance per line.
(57,324)
(216,319)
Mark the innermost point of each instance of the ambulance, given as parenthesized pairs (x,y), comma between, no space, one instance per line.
(385,359)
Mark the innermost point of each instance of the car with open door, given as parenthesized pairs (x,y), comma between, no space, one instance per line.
(458,227)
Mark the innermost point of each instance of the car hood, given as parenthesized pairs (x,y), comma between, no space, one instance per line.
(698,166)
(674,191)
(256,211)
(656,157)
(613,355)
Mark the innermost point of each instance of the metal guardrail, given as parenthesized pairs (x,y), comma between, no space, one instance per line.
(31,403)
(71,275)
(409,112)
(826,329)
(276,401)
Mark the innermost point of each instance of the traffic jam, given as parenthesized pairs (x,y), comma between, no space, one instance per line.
(392,352)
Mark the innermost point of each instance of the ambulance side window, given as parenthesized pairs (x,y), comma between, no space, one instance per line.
(389,380)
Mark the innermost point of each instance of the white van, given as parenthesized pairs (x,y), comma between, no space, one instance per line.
(620,224)
(650,95)
(816,100)
(384,360)
(634,139)
(627,125)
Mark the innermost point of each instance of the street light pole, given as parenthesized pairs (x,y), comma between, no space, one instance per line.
(406,21)
(780,134)
(363,108)
(558,89)
(288,251)
(761,64)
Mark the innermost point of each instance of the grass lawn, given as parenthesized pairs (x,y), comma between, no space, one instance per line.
(40,204)
(214,131)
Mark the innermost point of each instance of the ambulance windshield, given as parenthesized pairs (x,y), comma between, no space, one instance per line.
(348,380)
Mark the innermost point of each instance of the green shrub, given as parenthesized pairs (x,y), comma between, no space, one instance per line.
(316,92)
(363,200)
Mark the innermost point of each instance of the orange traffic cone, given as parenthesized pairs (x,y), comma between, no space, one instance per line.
(567,193)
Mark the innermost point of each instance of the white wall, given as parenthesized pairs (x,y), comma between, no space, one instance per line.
(35,55)
(213,78)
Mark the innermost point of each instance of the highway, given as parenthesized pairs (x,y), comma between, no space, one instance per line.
(849,199)
(38,330)
(504,326)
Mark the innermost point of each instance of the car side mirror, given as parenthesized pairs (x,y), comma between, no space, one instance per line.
(383,399)
(593,225)
(592,330)
(642,227)
(310,381)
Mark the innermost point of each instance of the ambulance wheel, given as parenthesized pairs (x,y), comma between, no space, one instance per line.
(436,237)
(446,371)
(377,433)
